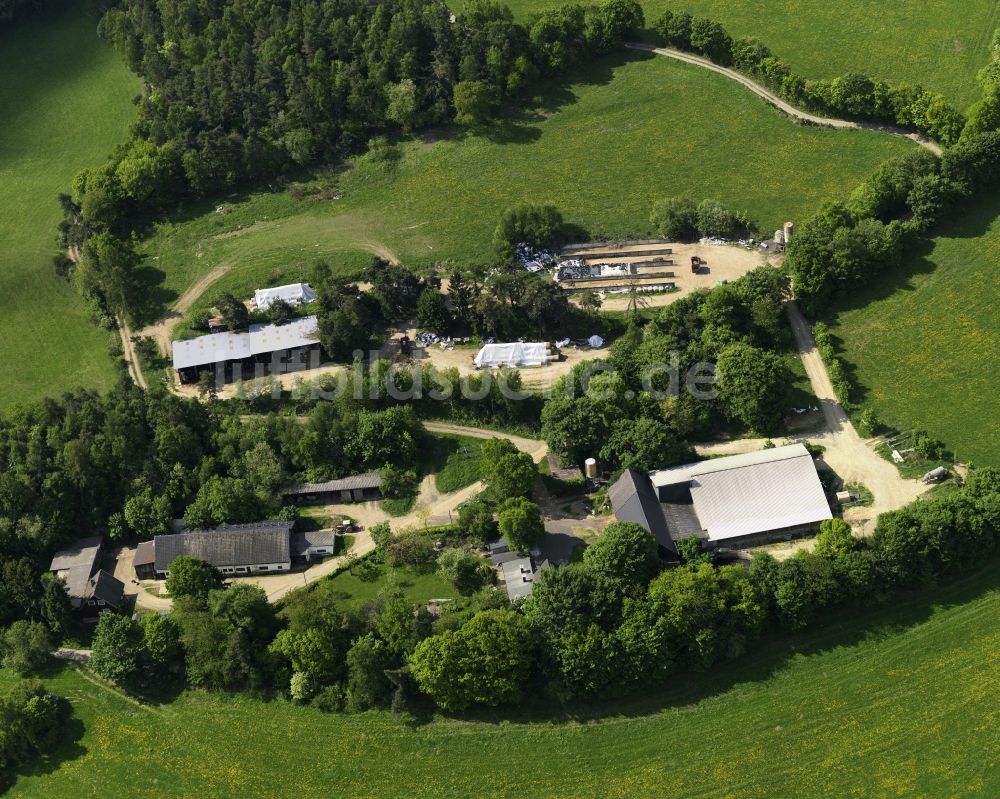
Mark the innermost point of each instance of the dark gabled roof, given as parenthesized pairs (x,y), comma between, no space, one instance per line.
(356,481)
(106,586)
(634,500)
(145,554)
(82,553)
(229,545)
(302,542)
(75,565)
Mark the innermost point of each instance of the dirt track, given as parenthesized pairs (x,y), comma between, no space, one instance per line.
(782,105)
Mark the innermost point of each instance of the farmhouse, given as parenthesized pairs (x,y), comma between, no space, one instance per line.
(737,501)
(91,590)
(261,350)
(357,488)
(293,294)
(518,353)
(256,548)
(515,570)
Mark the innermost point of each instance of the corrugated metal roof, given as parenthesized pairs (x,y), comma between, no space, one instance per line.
(681,474)
(213,348)
(754,493)
(229,545)
(220,347)
(356,481)
(274,338)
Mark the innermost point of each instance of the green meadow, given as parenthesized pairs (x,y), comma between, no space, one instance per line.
(940,44)
(898,701)
(65,98)
(634,128)
(924,341)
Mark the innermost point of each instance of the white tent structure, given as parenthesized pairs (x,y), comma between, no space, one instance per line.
(293,294)
(515,354)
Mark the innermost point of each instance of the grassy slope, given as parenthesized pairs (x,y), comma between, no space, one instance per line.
(937,43)
(898,702)
(925,340)
(65,99)
(634,129)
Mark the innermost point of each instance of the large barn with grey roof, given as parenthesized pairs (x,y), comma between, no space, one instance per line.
(731,502)
(234,549)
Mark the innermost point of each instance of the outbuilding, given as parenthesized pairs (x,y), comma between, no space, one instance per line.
(356,488)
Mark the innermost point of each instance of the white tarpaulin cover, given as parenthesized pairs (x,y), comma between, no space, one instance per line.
(595,341)
(515,354)
(293,294)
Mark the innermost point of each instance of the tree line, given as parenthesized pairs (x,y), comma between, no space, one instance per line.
(611,624)
(852,96)
(847,245)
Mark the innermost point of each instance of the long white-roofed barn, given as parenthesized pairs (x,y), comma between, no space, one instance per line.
(730,502)
(264,349)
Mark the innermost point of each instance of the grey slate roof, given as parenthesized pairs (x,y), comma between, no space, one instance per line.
(634,500)
(106,586)
(229,545)
(356,481)
(303,542)
(75,565)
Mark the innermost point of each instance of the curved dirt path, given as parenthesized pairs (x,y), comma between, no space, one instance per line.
(162,329)
(134,367)
(782,105)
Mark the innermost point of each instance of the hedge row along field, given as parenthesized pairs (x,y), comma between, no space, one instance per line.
(940,44)
(899,701)
(633,129)
(65,97)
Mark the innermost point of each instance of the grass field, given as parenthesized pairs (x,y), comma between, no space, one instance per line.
(896,702)
(635,128)
(65,100)
(940,44)
(366,580)
(455,462)
(924,341)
